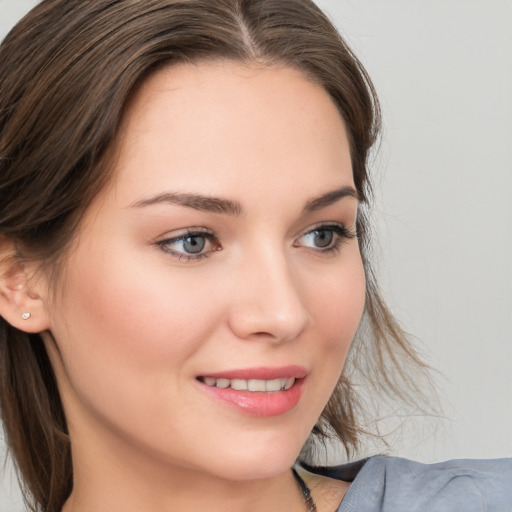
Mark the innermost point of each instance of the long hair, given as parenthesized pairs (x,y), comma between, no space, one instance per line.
(68,70)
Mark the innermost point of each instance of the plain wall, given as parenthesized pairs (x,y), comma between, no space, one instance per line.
(443,71)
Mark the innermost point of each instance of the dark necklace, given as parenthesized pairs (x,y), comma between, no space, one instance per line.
(306,492)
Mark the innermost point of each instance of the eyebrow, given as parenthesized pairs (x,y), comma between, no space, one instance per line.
(234,208)
(329,198)
(197,202)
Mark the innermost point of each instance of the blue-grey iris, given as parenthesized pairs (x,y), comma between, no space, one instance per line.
(194,244)
(323,238)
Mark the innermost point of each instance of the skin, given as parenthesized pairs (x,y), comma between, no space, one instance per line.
(135,322)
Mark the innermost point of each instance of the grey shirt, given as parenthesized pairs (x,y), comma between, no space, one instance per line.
(391,484)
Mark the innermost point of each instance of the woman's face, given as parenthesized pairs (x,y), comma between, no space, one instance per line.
(222,257)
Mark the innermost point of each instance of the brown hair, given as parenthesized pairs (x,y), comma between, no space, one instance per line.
(68,70)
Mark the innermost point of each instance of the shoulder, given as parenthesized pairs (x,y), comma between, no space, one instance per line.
(385,484)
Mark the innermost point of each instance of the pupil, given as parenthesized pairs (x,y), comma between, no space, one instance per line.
(323,238)
(194,244)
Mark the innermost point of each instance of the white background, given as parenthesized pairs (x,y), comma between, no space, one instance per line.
(443,70)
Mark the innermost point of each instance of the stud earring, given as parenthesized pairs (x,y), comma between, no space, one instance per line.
(26,316)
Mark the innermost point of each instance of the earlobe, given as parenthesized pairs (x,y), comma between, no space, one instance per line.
(21,305)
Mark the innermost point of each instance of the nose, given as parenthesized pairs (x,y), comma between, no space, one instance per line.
(266,300)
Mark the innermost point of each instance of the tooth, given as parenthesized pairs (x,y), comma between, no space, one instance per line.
(256,385)
(239,384)
(289,383)
(273,385)
(223,383)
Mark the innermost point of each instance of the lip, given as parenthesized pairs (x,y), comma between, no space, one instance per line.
(260,404)
(261,373)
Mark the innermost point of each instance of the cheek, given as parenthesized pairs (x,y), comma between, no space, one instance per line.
(126,323)
(338,309)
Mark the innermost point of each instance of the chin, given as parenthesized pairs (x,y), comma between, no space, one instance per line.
(255,468)
(259,459)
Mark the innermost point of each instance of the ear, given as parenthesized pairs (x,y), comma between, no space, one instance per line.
(22,303)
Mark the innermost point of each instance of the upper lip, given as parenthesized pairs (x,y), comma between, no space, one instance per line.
(261,373)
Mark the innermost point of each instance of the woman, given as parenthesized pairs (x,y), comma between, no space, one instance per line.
(185,266)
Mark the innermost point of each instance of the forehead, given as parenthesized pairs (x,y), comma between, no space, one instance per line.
(235,123)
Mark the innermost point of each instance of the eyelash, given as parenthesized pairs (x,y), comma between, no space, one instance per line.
(191,233)
(341,235)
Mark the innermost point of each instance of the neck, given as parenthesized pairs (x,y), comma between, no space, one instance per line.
(125,478)
(190,492)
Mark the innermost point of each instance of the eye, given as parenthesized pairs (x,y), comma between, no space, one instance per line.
(319,238)
(191,245)
(327,237)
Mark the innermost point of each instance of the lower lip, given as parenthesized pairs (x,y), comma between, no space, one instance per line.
(261,404)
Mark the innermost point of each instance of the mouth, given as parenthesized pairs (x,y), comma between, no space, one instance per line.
(259,392)
(252,385)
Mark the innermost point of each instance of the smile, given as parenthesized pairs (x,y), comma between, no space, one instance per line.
(260,392)
(255,385)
